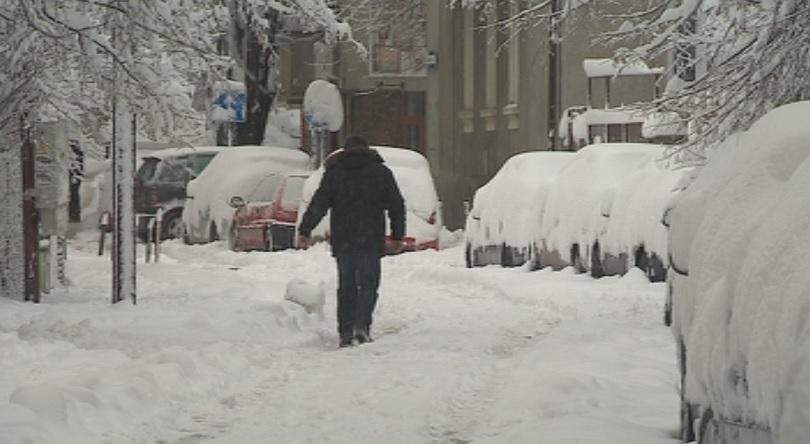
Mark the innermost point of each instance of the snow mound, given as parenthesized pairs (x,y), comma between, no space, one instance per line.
(741,231)
(310,296)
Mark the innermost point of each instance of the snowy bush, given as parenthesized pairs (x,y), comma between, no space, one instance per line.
(741,231)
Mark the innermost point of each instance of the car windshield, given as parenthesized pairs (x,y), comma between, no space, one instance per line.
(293,189)
(147,169)
(174,169)
(264,188)
(200,161)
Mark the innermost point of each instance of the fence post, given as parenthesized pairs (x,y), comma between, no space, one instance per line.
(150,234)
(158,232)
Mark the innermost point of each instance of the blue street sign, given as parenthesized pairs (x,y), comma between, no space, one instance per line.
(230,101)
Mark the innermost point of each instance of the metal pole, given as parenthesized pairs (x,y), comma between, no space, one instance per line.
(30,219)
(554,76)
(116,234)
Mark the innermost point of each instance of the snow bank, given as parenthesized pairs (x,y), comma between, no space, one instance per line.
(614,193)
(509,208)
(743,310)
(235,171)
(412,174)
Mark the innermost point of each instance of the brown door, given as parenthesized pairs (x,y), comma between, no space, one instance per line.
(390,117)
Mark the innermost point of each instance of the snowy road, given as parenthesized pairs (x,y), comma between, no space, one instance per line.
(213,354)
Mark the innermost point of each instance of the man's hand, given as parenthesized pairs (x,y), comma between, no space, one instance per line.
(304,242)
(396,247)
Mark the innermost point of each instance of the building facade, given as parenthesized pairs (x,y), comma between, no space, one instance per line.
(466,93)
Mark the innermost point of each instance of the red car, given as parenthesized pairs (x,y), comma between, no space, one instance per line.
(268,226)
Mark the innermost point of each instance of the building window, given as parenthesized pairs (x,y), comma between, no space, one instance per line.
(490,112)
(511,110)
(634,133)
(467,115)
(400,49)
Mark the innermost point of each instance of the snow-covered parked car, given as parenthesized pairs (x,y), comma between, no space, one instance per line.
(604,211)
(740,290)
(412,173)
(503,226)
(160,183)
(264,220)
(235,171)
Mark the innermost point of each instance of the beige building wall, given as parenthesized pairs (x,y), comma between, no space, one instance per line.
(469,138)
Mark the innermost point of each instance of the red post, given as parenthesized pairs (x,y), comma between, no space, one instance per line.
(30,219)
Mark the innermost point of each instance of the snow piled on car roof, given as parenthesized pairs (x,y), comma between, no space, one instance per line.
(743,314)
(184,151)
(235,171)
(509,208)
(614,194)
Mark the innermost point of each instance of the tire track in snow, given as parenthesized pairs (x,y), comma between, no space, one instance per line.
(460,420)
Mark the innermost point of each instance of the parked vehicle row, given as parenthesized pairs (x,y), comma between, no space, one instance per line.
(739,287)
(252,196)
(599,210)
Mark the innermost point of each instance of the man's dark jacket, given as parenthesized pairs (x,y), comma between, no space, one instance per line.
(358,188)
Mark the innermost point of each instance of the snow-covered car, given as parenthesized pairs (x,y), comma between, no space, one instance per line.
(161,181)
(503,226)
(235,171)
(412,174)
(267,222)
(604,211)
(740,290)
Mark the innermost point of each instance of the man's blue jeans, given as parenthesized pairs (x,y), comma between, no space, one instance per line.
(358,281)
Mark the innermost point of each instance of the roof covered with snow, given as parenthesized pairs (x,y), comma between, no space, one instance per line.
(597,68)
(184,151)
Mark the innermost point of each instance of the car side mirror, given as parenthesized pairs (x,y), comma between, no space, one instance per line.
(236,202)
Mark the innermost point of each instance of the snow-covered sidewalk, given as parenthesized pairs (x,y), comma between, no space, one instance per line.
(213,353)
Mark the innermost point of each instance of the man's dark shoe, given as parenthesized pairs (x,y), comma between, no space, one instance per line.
(346,341)
(362,336)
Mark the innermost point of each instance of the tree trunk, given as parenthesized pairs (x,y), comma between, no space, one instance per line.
(258,61)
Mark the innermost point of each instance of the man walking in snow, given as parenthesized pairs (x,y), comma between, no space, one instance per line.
(358,189)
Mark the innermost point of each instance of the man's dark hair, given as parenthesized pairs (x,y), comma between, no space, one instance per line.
(355,143)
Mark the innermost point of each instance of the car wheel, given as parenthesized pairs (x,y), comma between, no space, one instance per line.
(597,271)
(213,235)
(709,432)
(576,259)
(233,240)
(468,255)
(172,227)
(186,236)
(269,244)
